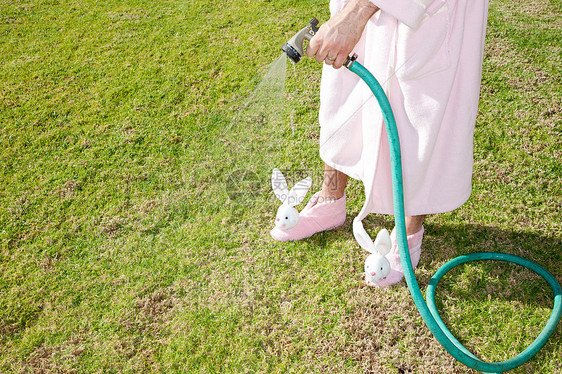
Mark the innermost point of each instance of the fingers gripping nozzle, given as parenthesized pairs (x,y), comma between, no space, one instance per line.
(294,48)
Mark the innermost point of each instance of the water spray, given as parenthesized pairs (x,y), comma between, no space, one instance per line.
(428,310)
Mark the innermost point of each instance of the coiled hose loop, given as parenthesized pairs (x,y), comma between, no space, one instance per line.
(429,310)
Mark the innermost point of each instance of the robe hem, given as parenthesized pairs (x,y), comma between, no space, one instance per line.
(435,209)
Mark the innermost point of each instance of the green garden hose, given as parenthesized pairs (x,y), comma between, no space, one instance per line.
(428,310)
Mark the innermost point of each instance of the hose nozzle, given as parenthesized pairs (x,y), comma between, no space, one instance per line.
(294,47)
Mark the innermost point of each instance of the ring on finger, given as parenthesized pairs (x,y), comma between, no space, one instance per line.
(330,59)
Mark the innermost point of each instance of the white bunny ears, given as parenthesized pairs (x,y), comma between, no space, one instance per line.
(293,197)
(382,244)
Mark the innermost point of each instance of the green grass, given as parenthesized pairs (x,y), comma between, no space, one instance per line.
(125,246)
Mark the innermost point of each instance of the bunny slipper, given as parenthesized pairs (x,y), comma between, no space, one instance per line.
(315,217)
(287,216)
(377,266)
(382,266)
(396,271)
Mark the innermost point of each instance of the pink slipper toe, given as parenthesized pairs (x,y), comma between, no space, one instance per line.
(396,272)
(315,217)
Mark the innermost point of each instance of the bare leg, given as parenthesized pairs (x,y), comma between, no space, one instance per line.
(414,224)
(333,186)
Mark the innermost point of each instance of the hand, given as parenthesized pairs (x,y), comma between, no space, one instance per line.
(336,38)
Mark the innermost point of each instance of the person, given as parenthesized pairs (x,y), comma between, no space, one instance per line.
(427,55)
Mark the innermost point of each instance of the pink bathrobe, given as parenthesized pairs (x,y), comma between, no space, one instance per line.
(427,55)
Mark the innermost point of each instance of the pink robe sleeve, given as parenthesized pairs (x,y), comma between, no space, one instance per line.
(409,12)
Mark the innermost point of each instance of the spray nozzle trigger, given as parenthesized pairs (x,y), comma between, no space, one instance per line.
(314,24)
(294,47)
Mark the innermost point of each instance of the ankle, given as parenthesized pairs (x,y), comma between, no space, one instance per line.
(414,224)
(327,196)
(333,185)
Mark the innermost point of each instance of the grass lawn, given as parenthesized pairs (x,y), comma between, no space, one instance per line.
(135,200)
